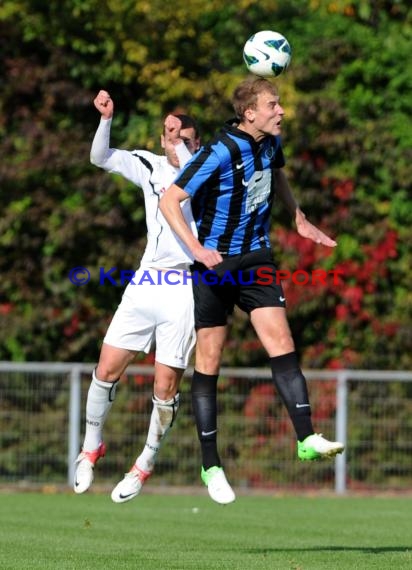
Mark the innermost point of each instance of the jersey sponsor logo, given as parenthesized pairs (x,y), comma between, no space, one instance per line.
(258,190)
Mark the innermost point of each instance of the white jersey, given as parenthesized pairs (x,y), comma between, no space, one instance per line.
(153,174)
(160,315)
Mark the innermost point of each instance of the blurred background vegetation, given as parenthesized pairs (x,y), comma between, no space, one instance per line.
(347,138)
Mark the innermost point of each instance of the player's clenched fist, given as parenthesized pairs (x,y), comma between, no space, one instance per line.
(104,104)
(172,126)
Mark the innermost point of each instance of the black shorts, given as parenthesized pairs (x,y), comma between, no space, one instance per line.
(248,281)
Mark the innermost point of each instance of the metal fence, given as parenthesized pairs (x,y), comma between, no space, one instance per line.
(42,409)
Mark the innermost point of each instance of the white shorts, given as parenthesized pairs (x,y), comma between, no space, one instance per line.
(155,313)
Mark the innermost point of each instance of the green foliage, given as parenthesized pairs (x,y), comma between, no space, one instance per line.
(346,136)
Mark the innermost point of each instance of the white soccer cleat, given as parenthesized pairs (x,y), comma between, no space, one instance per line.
(217,485)
(315,446)
(131,485)
(85,462)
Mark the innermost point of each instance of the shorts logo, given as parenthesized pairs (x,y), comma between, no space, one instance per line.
(209,432)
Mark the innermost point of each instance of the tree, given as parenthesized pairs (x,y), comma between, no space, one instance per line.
(346,138)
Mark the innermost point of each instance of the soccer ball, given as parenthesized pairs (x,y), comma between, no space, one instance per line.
(267,53)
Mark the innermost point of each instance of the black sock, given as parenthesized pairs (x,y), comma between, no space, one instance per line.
(291,386)
(204,405)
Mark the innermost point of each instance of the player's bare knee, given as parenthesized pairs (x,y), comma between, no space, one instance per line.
(166,387)
(107,373)
(286,344)
(165,392)
(208,359)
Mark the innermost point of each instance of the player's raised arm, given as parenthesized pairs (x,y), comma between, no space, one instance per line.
(170,208)
(104,104)
(172,139)
(100,151)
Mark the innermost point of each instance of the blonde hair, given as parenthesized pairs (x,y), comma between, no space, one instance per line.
(246,94)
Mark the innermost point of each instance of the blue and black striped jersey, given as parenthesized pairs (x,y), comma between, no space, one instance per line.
(231,184)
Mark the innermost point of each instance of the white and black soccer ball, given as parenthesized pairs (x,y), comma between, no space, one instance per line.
(267,53)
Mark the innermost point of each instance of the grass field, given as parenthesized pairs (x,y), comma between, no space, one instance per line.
(87,532)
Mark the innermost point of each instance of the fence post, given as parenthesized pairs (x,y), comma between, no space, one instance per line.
(74,421)
(341,430)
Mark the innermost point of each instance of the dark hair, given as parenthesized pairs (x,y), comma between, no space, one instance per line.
(245,94)
(188,123)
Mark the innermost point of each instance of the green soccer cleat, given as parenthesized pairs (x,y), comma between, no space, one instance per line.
(315,447)
(219,489)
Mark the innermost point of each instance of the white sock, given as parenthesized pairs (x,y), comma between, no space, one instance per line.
(99,401)
(161,420)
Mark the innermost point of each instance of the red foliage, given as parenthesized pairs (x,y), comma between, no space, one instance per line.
(341,312)
(342,212)
(386,249)
(304,248)
(250,345)
(71,329)
(364,277)
(353,296)
(140,379)
(343,189)
(6,308)
(259,401)
(315,351)
(388,329)
(335,364)
(326,401)
(349,358)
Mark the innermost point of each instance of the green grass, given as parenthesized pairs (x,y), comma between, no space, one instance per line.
(87,532)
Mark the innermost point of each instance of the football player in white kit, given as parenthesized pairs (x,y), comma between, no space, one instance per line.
(153,310)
